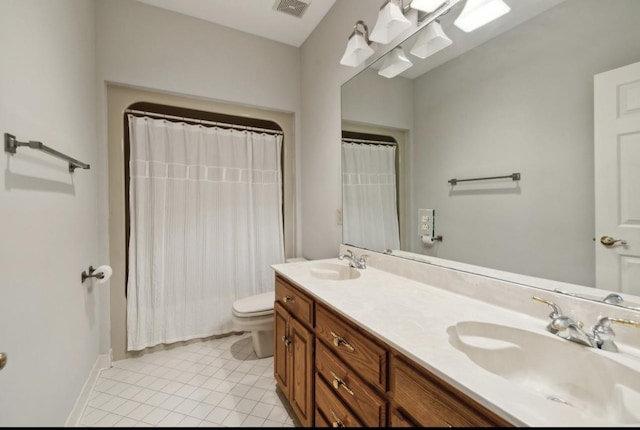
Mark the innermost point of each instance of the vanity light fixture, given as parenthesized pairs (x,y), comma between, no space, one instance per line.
(391,22)
(431,40)
(395,62)
(427,5)
(358,49)
(477,13)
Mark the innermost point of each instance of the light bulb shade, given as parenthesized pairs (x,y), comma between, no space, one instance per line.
(431,40)
(427,5)
(358,50)
(394,63)
(390,24)
(477,13)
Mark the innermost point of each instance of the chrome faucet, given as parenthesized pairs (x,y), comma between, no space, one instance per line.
(613,298)
(566,327)
(601,335)
(358,263)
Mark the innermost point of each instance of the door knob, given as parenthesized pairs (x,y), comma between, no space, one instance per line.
(3,360)
(608,241)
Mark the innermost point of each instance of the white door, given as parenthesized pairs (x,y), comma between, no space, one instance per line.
(617,178)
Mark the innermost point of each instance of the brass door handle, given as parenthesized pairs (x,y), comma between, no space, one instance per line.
(339,340)
(338,422)
(3,360)
(286,341)
(608,241)
(288,299)
(338,382)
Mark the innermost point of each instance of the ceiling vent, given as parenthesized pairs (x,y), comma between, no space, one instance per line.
(292,7)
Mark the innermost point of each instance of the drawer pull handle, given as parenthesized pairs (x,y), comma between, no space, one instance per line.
(339,340)
(338,382)
(338,422)
(286,341)
(288,299)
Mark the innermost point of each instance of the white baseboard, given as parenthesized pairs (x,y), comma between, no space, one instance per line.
(102,362)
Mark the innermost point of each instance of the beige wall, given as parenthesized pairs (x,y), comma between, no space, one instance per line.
(120,98)
(320,161)
(49,321)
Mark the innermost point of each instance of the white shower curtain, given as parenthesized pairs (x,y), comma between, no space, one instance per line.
(370,214)
(205,226)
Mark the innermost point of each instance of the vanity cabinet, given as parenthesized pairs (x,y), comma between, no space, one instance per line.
(421,399)
(335,373)
(293,351)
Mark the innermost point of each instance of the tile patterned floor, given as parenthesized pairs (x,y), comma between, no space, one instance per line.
(217,383)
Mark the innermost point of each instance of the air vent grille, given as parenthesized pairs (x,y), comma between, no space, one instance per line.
(291,7)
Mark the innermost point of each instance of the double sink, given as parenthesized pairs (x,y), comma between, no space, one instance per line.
(595,384)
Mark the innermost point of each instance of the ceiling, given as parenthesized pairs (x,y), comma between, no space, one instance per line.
(258,17)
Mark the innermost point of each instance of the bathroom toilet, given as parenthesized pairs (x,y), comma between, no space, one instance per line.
(255,314)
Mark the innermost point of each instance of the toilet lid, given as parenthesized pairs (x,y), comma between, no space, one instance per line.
(260,304)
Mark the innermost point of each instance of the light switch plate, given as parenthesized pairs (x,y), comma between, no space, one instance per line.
(425,222)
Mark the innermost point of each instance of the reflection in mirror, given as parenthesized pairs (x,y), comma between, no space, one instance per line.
(517,95)
(369,189)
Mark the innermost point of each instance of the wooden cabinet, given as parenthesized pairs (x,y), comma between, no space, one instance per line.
(424,399)
(335,373)
(293,352)
(366,403)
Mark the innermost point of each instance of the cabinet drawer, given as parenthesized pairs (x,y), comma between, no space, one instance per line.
(353,346)
(430,402)
(399,420)
(332,408)
(295,301)
(321,421)
(370,408)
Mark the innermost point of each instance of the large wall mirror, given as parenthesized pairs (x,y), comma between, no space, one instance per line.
(514,96)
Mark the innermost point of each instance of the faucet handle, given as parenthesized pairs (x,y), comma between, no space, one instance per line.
(363,261)
(557,312)
(605,334)
(348,253)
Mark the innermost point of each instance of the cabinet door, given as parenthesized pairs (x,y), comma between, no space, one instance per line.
(282,348)
(301,387)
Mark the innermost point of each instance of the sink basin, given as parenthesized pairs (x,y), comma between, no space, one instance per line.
(334,271)
(561,371)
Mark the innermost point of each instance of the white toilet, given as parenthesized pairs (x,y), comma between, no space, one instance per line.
(255,314)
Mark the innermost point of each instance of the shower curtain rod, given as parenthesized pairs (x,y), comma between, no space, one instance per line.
(203,121)
(377,142)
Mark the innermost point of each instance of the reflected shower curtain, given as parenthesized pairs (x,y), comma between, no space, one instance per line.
(370,213)
(205,226)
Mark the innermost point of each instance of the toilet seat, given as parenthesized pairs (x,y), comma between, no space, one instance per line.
(254,306)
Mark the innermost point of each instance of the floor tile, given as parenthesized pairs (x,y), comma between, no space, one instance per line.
(213,383)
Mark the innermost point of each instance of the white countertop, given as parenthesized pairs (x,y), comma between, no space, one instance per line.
(413,317)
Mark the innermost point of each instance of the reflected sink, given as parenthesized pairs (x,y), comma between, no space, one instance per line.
(561,371)
(334,271)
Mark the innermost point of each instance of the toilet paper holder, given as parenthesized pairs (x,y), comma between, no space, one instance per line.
(92,274)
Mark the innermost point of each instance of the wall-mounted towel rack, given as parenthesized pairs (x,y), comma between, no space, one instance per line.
(11,144)
(514,176)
